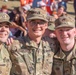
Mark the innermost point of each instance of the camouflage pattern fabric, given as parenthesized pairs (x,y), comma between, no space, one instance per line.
(28,58)
(4,18)
(65,64)
(5,63)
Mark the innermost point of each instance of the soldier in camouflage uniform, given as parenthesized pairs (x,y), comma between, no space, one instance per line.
(32,55)
(5,63)
(65,59)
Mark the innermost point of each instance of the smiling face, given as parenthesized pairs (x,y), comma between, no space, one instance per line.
(61,10)
(4,31)
(36,28)
(65,35)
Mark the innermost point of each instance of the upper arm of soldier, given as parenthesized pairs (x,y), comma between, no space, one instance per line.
(16,45)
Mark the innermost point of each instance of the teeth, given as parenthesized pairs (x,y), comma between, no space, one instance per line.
(3,35)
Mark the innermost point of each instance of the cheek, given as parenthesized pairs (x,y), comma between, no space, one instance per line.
(73,34)
(58,35)
(8,31)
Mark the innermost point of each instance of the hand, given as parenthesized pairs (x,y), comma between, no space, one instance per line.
(9,41)
(14,25)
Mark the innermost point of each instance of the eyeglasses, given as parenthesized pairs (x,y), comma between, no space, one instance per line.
(6,24)
(34,22)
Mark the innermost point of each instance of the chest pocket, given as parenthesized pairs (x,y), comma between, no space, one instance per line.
(58,67)
(73,66)
(5,66)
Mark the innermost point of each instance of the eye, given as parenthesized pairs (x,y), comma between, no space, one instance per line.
(6,26)
(60,30)
(1,25)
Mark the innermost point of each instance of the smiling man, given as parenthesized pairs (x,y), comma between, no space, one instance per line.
(65,59)
(31,54)
(5,63)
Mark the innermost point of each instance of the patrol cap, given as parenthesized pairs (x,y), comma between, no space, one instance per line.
(65,21)
(36,13)
(51,23)
(51,27)
(4,18)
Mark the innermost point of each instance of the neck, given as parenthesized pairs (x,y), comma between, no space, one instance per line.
(35,39)
(67,47)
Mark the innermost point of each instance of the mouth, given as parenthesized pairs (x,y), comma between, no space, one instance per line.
(64,38)
(3,34)
(36,30)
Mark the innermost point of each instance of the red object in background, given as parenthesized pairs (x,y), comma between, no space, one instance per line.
(24,2)
(48,3)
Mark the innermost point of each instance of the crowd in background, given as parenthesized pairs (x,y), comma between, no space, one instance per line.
(49,48)
(18,14)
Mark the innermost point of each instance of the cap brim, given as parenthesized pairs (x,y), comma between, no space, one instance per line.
(32,18)
(63,25)
(7,22)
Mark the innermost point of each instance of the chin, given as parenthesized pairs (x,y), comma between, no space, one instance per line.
(38,34)
(3,40)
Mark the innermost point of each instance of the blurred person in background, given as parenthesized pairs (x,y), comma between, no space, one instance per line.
(48,4)
(13,13)
(64,3)
(54,7)
(42,5)
(4,9)
(35,3)
(26,2)
(18,19)
(60,12)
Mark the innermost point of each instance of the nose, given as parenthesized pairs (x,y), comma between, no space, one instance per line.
(37,24)
(3,27)
(64,32)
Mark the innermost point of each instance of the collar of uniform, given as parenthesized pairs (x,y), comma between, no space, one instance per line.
(4,52)
(73,53)
(60,54)
(30,43)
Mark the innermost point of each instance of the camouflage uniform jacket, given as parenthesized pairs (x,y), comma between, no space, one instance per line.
(5,63)
(31,59)
(65,64)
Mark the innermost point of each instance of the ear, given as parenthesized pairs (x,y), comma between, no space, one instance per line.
(55,32)
(46,25)
(75,31)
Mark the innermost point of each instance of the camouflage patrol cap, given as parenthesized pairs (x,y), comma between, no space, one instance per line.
(51,23)
(65,21)
(36,13)
(51,27)
(4,18)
